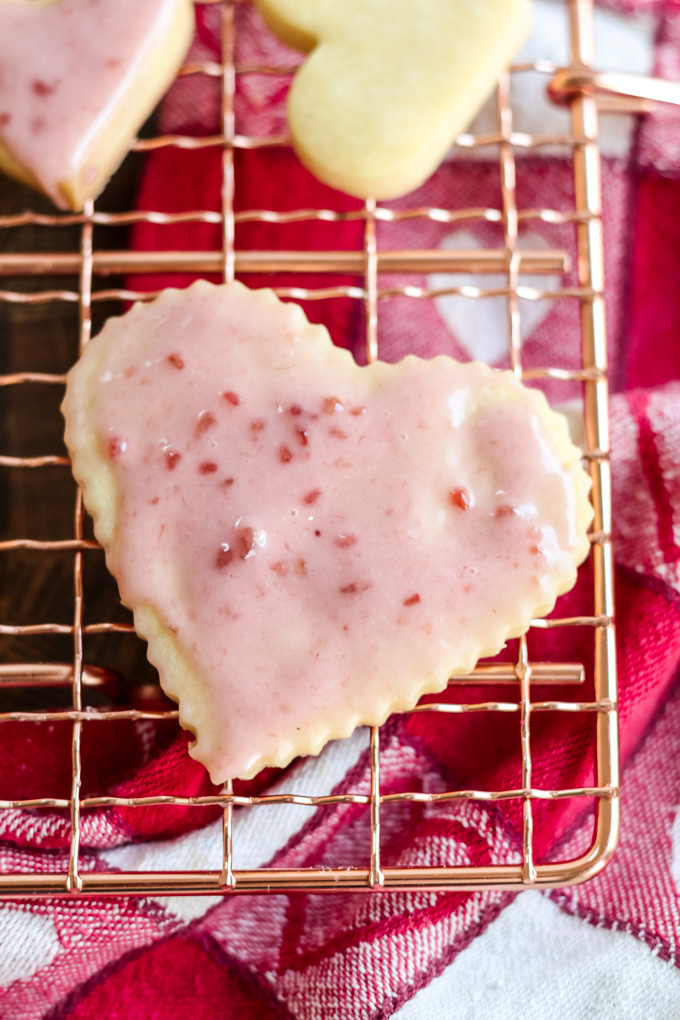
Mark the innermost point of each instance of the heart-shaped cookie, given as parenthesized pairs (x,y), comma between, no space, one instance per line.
(390,84)
(77,80)
(306,544)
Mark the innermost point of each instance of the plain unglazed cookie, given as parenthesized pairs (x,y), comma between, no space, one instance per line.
(77,80)
(308,545)
(389,84)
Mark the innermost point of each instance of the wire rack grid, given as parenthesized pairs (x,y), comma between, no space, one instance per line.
(370,263)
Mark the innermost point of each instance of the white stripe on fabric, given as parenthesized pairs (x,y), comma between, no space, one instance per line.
(535,962)
(258,832)
(28,942)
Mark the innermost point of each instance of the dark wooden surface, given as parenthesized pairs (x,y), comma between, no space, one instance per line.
(38,503)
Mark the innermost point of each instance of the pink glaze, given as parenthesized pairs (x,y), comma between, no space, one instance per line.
(315,535)
(63,69)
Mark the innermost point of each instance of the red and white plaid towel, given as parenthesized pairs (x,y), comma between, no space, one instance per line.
(608,948)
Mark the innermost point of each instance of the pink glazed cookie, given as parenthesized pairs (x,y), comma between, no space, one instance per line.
(77,80)
(308,545)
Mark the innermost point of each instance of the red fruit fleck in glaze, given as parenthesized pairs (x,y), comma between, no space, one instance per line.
(115,446)
(504,511)
(329,405)
(207,467)
(338,434)
(302,436)
(312,496)
(345,541)
(318,534)
(206,420)
(227,482)
(175,360)
(356,411)
(232,398)
(301,568)
(295,410)
(355,588)
(42,88)
(285,455)
(460,498)
(172,459)
(245,542)
(224,556)
(279,568)
(154,501)
(411,601)
(5,118)
(257,426)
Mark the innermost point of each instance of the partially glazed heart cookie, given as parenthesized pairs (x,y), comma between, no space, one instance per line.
(306,544)
(389,84)
(77,80)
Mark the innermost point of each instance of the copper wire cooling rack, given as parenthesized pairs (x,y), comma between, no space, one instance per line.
(90,262)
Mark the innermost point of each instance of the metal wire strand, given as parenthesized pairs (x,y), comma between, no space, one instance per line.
(80,268)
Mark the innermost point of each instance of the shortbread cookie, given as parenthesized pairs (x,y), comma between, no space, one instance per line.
(308,545)
(390,84)
(77,80)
